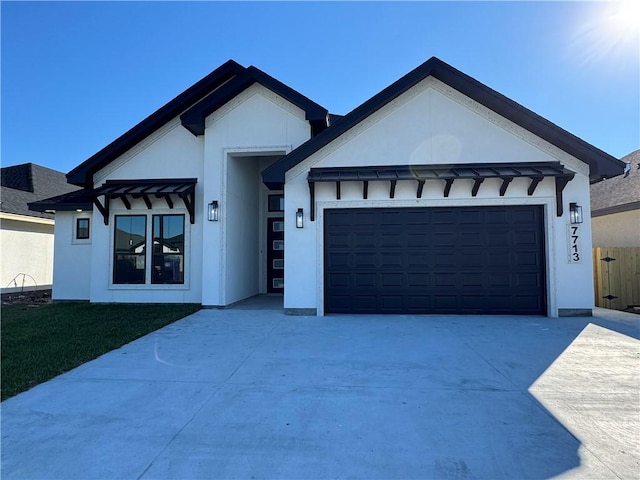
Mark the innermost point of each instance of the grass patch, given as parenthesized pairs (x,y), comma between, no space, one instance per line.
(41,341)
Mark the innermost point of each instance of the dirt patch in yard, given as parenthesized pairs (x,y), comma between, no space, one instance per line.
(35,296)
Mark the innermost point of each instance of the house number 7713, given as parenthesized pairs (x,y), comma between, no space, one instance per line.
(573,240)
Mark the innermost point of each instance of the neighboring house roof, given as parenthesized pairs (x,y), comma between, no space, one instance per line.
(620,193)
(22,184)
(600,163)
(193,105)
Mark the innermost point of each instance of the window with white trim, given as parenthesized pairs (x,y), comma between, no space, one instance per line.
(82,228)
(155,257)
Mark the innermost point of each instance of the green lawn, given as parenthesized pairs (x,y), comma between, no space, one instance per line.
(41,341)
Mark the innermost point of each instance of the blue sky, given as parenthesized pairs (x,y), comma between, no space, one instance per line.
(76,75)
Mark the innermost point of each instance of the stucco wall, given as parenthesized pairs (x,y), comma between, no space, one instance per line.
(222,260)
(242,223)
(617,229)
(433,124)
(72,262)
(257,123)
(170,152)
(27,248)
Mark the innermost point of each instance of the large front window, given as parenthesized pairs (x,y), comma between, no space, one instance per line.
(166,249)
(130,252)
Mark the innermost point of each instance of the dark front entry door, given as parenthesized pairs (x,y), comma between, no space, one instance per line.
(435,260)
(275,255)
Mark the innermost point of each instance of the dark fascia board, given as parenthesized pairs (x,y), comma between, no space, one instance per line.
(627,207)
(601,164)
(82,175)
(194,118)
(79,199)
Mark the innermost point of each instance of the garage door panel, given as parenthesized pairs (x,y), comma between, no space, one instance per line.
(337,261)
(442,259)
(472,260)
(341,280)
(435,260)
(525,280)
(365,260)
(367,280)
(392,260)
(498,280)
(363,240)
(470,217)
(443,239)
(496,216)
(527,259)
(524,216)
(392,280)
(418,279)
(498,238)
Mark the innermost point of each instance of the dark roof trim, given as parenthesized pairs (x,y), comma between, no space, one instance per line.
(478,172)
(627,207)
(83,174)
(194,118)
(86,199)
(601,164)
(78,200)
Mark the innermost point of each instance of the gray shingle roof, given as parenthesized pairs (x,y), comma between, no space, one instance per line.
(29,182)
(618,193)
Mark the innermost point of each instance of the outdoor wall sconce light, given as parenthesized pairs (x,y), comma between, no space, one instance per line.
(575,213)
(213,211)
(299,218)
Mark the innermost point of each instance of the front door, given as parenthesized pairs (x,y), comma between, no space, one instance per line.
(275,255)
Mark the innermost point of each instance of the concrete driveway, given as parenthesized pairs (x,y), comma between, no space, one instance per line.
(257,394)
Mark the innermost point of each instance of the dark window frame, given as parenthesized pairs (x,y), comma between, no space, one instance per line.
(82,229)
(280,198)
(124,266)
(163,265)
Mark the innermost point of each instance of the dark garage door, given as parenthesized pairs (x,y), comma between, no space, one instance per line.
(435,260)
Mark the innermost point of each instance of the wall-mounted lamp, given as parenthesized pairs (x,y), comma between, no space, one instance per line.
(575,213)
(299,218)
(213,211)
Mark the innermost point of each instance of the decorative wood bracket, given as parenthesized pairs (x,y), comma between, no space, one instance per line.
(104,210)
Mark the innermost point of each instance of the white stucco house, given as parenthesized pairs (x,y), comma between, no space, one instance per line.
(437,195)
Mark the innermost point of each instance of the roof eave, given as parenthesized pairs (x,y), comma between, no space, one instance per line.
(83,173)
(194,118)
(601,164)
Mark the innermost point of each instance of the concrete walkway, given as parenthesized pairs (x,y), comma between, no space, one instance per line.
(257,394)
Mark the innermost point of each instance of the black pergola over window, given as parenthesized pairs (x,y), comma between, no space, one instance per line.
(171,189)
(478,172)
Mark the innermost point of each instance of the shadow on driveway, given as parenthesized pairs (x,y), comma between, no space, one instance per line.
(250,393)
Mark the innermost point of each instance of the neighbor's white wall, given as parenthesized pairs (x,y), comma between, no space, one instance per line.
(26,247)
(617,229)
(72,274)
(255,123)
(433,124)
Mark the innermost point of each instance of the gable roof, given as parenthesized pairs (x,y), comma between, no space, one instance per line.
(601,164)
(193,105)
(194,118)
(620,193)
(29,182)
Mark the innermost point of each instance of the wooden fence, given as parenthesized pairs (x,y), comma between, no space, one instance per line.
(616,277)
